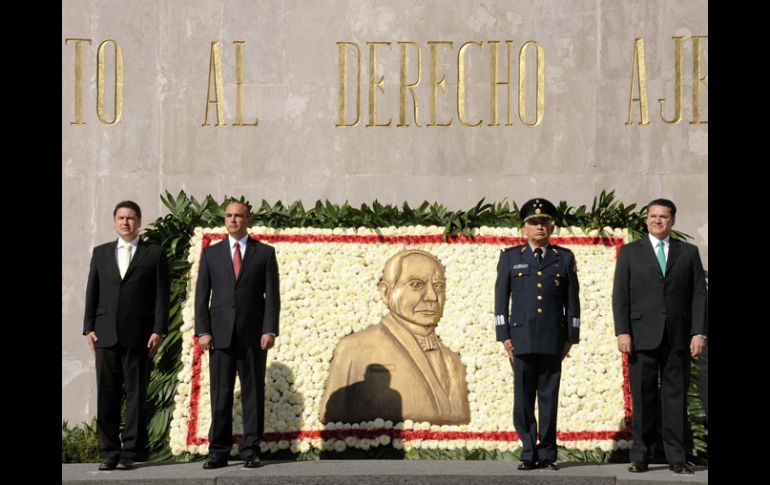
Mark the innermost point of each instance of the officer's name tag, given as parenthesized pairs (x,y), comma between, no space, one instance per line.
(576,322)
(519,266)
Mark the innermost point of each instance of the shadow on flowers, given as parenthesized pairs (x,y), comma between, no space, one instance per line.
(368,404)
(284,407)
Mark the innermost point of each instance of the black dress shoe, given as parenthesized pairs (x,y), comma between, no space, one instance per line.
(549,465)
(681,468)
(108,465)
(638,467)
(252,463)
(125,464)
(527,465)
(212,464)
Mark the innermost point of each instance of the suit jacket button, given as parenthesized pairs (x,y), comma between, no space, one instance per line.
(539,310)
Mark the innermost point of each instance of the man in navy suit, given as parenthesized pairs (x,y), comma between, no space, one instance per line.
(237,303)
(660,306)
(126,318)
(537,310)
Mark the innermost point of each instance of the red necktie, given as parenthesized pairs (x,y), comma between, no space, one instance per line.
(237,259)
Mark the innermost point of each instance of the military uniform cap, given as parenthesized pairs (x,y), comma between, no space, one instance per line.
(537,209)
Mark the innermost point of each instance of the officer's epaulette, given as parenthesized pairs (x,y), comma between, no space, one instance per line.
(512,247)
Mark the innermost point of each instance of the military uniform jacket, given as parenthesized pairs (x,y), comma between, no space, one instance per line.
(537,305)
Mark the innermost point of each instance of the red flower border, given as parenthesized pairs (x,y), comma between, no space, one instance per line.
(192,422)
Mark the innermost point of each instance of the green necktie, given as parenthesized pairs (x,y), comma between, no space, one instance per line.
(661,258)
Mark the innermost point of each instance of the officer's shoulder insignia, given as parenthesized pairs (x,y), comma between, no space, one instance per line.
(509,248)
(558,249)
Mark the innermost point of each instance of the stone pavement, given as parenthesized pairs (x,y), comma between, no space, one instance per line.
(385,472)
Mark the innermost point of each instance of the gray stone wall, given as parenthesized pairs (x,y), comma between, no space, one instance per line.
(290,83)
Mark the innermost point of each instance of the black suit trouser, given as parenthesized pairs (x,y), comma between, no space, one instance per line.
(249,363)
(673,369)
(536,376)
(117,367)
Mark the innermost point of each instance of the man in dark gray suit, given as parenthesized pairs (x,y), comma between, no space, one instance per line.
(660,306)
(236,318)
(126,318)
(538,282)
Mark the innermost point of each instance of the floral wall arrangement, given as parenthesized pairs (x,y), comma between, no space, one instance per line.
(329,290)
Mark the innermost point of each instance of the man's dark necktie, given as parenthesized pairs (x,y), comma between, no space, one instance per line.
(539,255)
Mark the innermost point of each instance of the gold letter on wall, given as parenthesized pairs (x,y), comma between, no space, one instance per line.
(434,84)
(375,84)
(343,73)
(494,83)
(239,85)
(678,85)
(78,79)
(215,68)
(696,79)
(638,69)
(461,83)
(118,83)
(540,87)
(408,87)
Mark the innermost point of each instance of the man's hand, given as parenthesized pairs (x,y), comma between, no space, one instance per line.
(268,340)
(697,345)
(155,340)
(567,347)
(508,348)
(624,343)
(90,339)
(204,341)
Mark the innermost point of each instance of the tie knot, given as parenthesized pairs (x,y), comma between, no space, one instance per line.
(237,245)
(660,244)
(539,251)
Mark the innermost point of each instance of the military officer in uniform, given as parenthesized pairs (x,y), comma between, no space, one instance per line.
(537,311)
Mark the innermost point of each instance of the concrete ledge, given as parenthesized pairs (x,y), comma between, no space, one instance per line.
(384,472)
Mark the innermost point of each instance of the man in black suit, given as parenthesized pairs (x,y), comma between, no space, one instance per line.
(126,318)
(238,326)
(538,280)
(660,306)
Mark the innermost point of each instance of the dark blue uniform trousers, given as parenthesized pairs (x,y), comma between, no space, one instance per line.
(536,376)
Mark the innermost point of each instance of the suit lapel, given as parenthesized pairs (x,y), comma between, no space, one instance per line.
(225,255)
(141,252)
(413,350)
(649,252)
(528,256)
(251,248)
(674,249)
(549,257)
(112,260)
